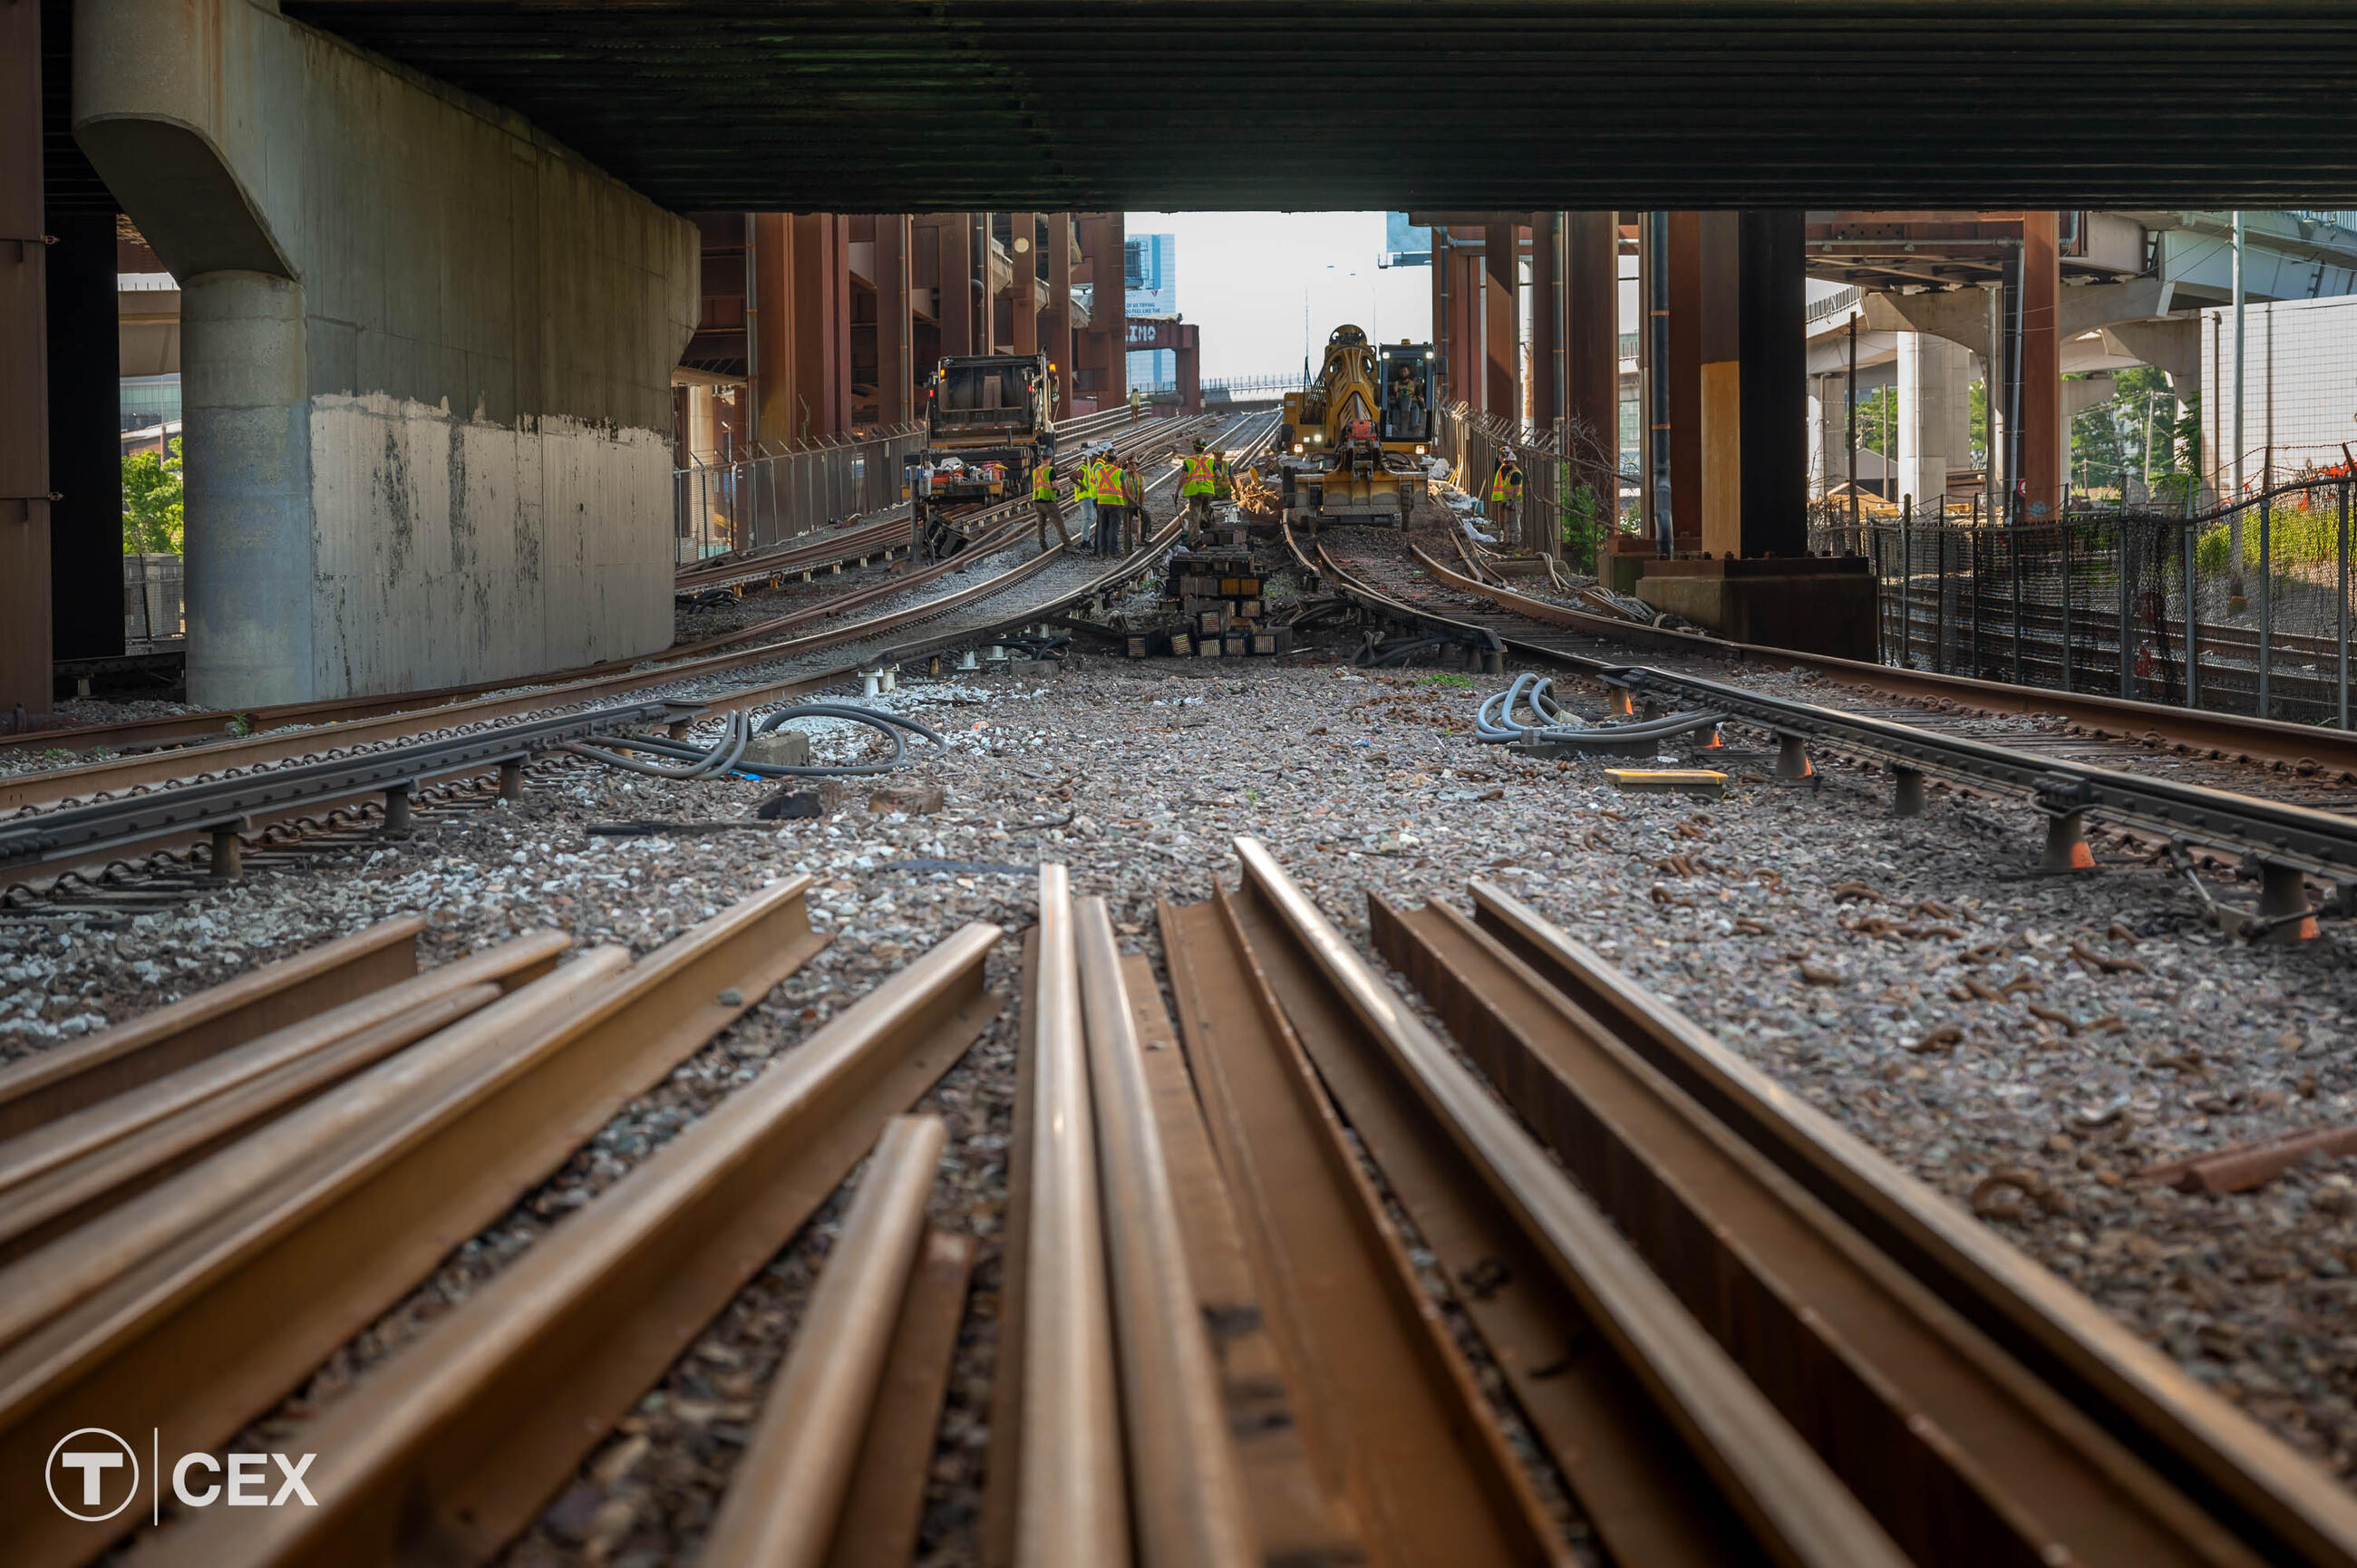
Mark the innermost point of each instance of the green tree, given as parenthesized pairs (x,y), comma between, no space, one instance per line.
(152,510)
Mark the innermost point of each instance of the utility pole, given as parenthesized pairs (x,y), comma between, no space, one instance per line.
(1992,378)
(2235,518)
(1851,399)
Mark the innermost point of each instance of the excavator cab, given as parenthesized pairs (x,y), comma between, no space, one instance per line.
(1407,392)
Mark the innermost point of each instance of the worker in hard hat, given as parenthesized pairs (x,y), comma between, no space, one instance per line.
(1133,519)
(1506,497)
(1084,488)
(1197,487)
(1043,499)
(1224,478)
(1136,406)
(1112,500)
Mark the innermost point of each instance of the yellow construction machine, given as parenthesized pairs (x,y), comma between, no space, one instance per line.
(1355,441)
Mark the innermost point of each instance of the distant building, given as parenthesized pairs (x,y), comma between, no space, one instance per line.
(1405,244)
(1151,288)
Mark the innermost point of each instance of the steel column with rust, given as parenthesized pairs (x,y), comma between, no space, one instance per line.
(821,330)
(2043,429)
(895,367)
(1547,319)
(1775,482)
(1501,320)
(1719,384)
(24,374)
(956,289)
(769,327)
(85,449)
(1022,298)
(1056,320)
(1591,350)
(1683,265)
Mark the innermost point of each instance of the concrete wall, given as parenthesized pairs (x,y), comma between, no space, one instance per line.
(427,359)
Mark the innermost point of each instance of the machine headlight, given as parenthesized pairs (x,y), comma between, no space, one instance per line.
(1297,448)
(1419,451)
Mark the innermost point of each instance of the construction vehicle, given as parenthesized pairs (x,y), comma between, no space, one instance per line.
(989,419)
(1355,441)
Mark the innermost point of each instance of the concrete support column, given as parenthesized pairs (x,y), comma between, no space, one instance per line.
(1105,356)
(1774,392)
(1934,415)
(1023,326)
(1718,381)
(2044,431)
(85,439)
(1056,320)
(24,372)
(1502,321)
(1591,346)
(251,551)
(895,368)
(1546,319)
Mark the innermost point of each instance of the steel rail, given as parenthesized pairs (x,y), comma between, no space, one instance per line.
(1443,1143)
(455,1444)
(787,1495)
(1186,1492)
(2286,1508)
(1389,1410)
(202,1300)
(613,678)
(1072,1507)
(2295,835)
(2231,735)
(1959,1452)
(69,1077)
(134,814)
(209,732)
(30,841)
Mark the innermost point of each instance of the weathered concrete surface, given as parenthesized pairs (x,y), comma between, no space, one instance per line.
(427,359)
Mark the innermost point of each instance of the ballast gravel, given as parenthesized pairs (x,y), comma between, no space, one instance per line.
(2030,1042)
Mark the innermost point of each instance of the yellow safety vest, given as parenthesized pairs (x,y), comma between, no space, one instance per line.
(1105,483)
(1132,492)
(1199,480)
(1222,481)
(1506,485)
(1043,482)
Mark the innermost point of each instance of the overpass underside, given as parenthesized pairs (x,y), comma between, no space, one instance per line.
(437,283)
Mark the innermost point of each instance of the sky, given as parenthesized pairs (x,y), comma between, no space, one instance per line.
(1247,276)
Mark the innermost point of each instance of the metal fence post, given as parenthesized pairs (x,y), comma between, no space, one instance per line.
(2120,560)
(1973,540)
(2062,533)
(2012,537)
(2192,626)
(2341,640)
(1907,581)
(2266,608)
(1940,587)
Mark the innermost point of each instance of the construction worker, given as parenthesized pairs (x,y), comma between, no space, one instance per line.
(1197,487)
(1133,485)
(1109,499)
(1084,490)
(1224,478)
(1043,500)
(1506,497)
(1136,406)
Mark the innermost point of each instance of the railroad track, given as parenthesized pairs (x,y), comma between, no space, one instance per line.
(1322,1287)
(2161,773)
(370,771)
(221,730)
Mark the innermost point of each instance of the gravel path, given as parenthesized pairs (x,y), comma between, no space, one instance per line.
(1905,976)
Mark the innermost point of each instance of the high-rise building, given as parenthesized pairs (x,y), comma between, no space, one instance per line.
(1151,288)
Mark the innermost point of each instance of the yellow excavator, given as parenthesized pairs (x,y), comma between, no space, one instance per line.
(1355,441)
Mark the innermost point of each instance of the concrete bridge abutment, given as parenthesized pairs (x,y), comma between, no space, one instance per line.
(425,364)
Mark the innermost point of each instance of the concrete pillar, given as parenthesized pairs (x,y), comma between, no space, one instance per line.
(1774,392)
(1056,320)
(1023,324)
(1546,319)
(1684,267)
(1935,378)
(252,555)
(1592,346)
(24,373)
(85,445)
(774,391)
(1502,321)
(2043,432)
(1103,357)
(895,368)
(1718,381)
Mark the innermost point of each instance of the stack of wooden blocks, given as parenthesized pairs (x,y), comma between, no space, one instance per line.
(1218,591)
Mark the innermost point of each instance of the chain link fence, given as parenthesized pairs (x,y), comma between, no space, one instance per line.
(1563,511)
(2111,603)
(767,498)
